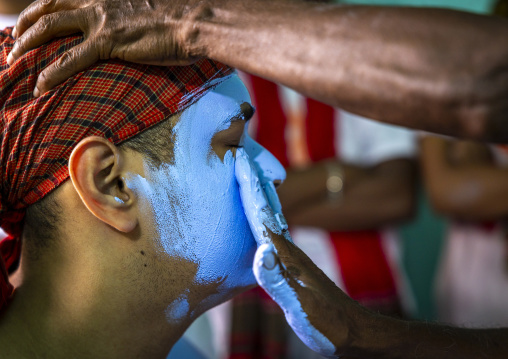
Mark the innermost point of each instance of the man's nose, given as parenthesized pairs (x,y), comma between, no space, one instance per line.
(268,167)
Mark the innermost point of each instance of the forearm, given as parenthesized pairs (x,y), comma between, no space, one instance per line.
(351,215)
(369,205)
(371,197)
(330,322)
(384,337)
(308,186)
(475,194)
(13,7)
(407,66)
(473,191)
(303,186)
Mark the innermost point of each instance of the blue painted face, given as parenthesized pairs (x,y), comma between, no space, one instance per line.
(196,201)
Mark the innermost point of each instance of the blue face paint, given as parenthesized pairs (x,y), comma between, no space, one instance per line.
(261,210)
(260,200)
(267,167)
(178,310)
(195,200)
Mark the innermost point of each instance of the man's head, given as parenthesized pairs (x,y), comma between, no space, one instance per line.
(157,215)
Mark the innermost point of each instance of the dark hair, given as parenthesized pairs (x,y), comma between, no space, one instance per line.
(41,225)
(43,219)
(156,143)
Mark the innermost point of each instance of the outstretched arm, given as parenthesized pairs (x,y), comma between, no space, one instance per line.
(325,318)
(466,185)
(372,196)
(433,69)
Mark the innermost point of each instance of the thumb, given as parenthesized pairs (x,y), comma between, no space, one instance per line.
(269,271)
(274,279)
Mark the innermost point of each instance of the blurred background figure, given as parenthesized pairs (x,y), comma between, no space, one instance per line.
(468,183)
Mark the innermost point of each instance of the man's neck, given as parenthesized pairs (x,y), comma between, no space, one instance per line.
(82,321)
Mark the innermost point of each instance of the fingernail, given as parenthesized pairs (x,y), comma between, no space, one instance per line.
(10,59)
(14,32)
(37,93)
(269,260)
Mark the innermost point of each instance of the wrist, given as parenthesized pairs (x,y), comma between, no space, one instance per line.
(359,322)
(373,335)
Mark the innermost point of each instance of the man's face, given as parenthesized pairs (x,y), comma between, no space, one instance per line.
(195,200)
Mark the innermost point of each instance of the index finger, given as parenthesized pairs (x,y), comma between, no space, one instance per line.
(39,8)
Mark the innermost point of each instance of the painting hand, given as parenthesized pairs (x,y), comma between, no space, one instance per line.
(317,310)
(276,280)
(260,201)
(147,32)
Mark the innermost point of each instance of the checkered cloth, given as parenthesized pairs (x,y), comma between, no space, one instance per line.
(114,99)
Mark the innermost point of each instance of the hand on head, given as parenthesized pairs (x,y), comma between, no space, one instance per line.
(112,29)
(316,309)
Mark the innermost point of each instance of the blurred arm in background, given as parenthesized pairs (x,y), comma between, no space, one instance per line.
(463,181)
(377,166)
(372,196)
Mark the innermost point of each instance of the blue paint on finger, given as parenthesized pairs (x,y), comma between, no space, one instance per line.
(274,282)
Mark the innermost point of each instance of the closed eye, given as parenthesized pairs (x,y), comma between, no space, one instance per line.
(230,139)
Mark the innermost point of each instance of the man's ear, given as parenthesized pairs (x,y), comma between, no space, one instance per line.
(96,167)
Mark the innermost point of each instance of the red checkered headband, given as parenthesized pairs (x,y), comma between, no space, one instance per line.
(115,100)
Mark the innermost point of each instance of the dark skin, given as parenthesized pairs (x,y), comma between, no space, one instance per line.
(407,66)
(372,197)
(463,181)
(358,333)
